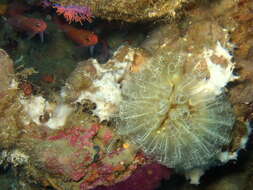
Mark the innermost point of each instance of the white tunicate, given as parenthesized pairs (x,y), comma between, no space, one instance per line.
(172,117)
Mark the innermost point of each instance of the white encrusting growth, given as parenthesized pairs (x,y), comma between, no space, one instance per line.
(36,106)
(224,157)
(59,116)
(220,75)
(107,95)
(194,175)
(13,84)
(15,157)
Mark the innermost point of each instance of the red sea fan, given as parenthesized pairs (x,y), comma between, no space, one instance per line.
(74,13)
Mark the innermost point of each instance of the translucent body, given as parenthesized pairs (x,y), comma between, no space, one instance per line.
(166,113)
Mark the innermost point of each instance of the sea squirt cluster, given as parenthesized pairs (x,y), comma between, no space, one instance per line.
(172,116)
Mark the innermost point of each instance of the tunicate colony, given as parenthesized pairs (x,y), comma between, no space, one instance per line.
(170,115)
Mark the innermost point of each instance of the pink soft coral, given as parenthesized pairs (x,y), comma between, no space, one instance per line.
(74,13)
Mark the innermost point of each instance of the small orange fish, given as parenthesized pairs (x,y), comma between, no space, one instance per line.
(79,36)
(32,26)
(3,8)
(48,78)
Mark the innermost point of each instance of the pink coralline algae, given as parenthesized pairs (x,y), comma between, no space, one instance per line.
(71,162)
(147,177)
(74,13)
(78,136)
(78,155)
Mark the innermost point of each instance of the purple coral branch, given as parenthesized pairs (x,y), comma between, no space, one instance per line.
(74,13)
(147,177)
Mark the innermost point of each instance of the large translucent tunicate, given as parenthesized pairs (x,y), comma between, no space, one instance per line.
(162,113)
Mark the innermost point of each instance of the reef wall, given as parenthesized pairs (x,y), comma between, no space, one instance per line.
(180,100)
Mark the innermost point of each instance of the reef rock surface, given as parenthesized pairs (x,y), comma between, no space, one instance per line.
(130,10)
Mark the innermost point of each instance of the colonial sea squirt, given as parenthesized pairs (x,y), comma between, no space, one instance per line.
(177,115)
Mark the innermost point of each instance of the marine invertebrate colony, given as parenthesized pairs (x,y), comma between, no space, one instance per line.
(180,117)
